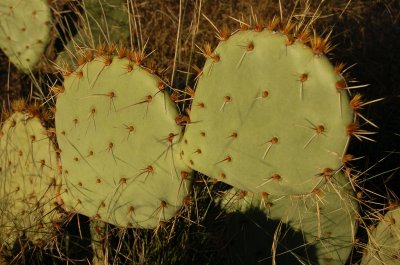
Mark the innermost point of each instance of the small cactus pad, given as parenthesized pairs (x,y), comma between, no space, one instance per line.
(28,181)
(105,21)
(384,241)
(267,116)
(323,224)
(24,31)
(117,133)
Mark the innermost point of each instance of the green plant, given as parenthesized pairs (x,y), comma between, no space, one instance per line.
(270,114)
(28,181)
(384,241)
(117,133)
(25,28)
(322,223)
(272,117)
(288,155)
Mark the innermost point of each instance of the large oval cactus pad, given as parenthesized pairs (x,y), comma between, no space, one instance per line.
(117,133)
(268,116)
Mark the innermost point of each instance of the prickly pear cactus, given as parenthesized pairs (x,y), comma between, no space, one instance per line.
(117,133)
(269,115)
(24,31)
(317,228)
(384,241)
(28,181)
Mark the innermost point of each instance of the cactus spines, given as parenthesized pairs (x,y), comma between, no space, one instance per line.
(325,218)
(117,134)
(384,241)
(263,109)
(24,31)
(28,181)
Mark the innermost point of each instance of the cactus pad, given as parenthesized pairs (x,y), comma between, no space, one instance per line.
(117,133)
(268,116)
(384,242)
(324,222)
(24,31)
(28,181)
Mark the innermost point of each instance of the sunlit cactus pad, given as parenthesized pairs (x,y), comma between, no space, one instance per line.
(384,242)
(28,181)
(318,228)
(117,133)
(268,115)
(24,31)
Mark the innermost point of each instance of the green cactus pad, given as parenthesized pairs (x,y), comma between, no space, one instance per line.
(322,225)
(384,242)
(117,133)
(24,31)
(267,116)
(28,181)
